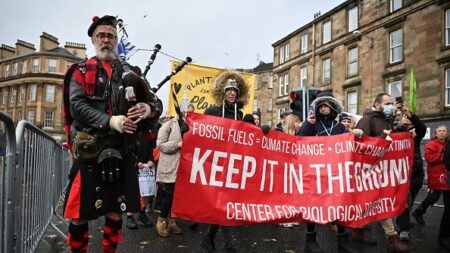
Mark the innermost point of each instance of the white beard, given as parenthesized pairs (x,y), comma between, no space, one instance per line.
(104,55)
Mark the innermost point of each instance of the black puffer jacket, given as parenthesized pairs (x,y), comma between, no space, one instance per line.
(325,124)
(227,110)
(420,129)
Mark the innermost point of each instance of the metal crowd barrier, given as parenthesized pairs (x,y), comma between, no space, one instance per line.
(35,186)
(8,164)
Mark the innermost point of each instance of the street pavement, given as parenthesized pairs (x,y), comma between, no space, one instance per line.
(257,238)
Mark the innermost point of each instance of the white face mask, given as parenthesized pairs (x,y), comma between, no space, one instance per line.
(388,110)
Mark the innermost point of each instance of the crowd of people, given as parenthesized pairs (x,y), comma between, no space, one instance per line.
(116,140)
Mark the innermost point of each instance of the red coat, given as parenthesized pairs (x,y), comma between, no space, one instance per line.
(437,174)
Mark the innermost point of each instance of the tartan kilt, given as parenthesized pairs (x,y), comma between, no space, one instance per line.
(89,197)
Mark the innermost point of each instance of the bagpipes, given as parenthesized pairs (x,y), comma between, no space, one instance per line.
(133,81)
(132,76)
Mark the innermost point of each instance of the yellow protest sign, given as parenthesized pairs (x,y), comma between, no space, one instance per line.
(192,84)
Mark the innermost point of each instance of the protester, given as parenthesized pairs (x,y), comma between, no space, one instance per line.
(437,177)
(346,120)
(444,227)
(169,143)
(292,125)
(257,118)
(248,118)
(377,122)
(441,134)
(102,179)
(411,123)
(323,123)
(145,161)
(280,124)
(230,92)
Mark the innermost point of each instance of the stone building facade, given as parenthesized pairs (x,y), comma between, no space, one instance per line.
(361,48)
(263,99)
(31,82)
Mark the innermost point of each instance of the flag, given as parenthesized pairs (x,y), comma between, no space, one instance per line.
(124,47)
(193,88)
(412,91)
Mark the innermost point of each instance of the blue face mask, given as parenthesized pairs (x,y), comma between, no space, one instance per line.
(388,110)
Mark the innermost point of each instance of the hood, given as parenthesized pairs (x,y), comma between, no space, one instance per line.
(221,81)
(330,101)
(373,113)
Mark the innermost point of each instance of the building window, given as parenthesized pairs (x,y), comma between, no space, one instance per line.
(284,53)
(352,67)
(270,83)
(283,82)
(286,84)
(24,67)
(353,19)
(395,89)
(13,96)
(21,94)
(31,116)
(326,71)
(396,46)
(33,89)
(303,77)
(326,32)
(304,46)
(1,96)
(395,5)
(255,105)
(35,67)
(352,101)
(5,95)
(48,119)
(269,105)
(19,115)
(447,87)
(50,93)
(52,65)
(7,70)
(447,27)
(15,69)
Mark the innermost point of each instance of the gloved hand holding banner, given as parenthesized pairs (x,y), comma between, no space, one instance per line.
(232,174)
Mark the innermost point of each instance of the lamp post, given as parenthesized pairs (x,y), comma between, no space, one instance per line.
(357,33)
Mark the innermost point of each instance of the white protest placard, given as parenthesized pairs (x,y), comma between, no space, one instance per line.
(147,181)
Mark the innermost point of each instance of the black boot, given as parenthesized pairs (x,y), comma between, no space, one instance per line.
(344,244)
(311,245)
(444,243)
(418,215)
(207,244)
(142,217)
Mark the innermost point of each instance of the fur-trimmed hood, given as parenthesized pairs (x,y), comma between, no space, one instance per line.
(333,103)
(218,85)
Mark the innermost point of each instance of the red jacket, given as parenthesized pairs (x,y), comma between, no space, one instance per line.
(434,156)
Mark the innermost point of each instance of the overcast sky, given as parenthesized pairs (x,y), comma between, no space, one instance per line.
(217,33)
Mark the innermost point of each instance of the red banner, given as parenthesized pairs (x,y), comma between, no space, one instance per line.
(232,174)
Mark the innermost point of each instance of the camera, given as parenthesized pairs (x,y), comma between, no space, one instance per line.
(399,102)
(312,110)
